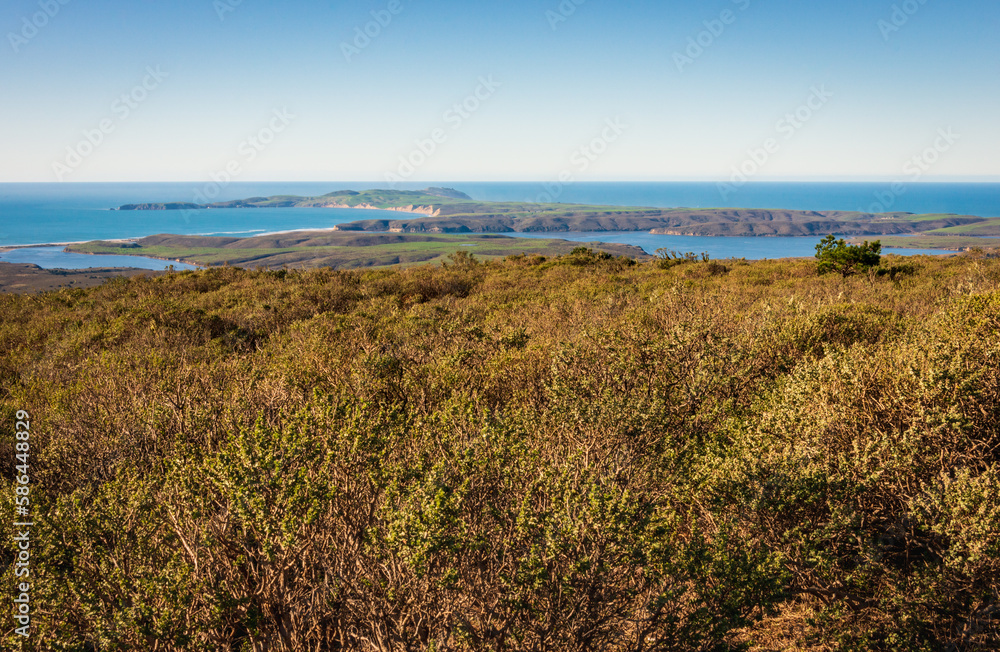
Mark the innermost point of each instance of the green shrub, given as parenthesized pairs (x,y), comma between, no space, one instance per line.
(572,454)
(838,256)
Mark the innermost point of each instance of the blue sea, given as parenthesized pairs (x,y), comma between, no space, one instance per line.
(42,213)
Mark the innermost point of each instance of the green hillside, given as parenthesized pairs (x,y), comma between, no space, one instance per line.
(984,228)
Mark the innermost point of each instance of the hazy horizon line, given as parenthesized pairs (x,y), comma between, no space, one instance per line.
(873,179)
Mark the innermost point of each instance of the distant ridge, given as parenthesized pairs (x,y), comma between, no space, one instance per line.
(449,193)
(388,199)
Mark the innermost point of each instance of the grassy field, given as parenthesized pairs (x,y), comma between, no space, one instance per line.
(934,217)
(575,454)
(986,228)
(339,250)
(935,241)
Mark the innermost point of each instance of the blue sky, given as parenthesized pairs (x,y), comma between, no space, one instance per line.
(550,77)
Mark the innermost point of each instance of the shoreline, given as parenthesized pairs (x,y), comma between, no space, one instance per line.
(65,245)
(149,256)
(5,248)
(434,208)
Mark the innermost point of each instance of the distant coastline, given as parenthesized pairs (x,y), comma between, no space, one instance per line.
(445,210)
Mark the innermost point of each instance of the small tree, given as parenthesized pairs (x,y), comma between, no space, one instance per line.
(667,258)
(838,256)
(463,259)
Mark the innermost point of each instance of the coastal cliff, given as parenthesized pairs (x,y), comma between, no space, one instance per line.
(427,203)
(429,211)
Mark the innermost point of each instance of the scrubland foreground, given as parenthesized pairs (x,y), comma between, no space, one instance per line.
(575,454)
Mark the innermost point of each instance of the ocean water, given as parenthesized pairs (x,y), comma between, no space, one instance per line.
(982,199)
(70,212)
(56,213)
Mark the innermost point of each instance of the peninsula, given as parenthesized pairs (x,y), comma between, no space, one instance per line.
(448,211)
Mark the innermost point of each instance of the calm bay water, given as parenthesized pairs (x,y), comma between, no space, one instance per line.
(51,213)
(56,258)
(717,247)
